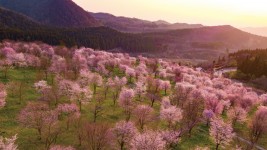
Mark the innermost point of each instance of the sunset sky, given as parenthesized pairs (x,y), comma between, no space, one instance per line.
(239,13)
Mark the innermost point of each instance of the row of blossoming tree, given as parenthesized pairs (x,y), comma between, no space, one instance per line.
(160,102)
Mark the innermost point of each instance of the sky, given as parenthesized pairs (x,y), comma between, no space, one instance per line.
(239,13)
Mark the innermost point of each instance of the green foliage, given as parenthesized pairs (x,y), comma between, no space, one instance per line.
(252,63)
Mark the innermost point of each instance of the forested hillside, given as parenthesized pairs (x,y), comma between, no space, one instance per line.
(252,62)
(15,26)
(60,13)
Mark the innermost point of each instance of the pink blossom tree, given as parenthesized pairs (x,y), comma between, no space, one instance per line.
(237,114)
(58,66)
(181,92)
(124,132)
(36,115)
(263,99)
(5,65)
(69,110)
(171,138)
(98,136)
(143,114)
(171,114)
(96,80)
(118,84)
(165,85)
(42,87)
(130,73)
(126,101)
(212,103)
(192,114)
(221,132)
(140,89)
(208,114)
(258,126)
(8,143)
(107,85)
(148,140)
(75,92)
(81,95)
(78,63)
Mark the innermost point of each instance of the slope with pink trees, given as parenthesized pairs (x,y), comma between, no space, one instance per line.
(80,98)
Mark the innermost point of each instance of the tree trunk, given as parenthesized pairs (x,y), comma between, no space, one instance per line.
(80,106)
(152,102)
(6,68)
(94,89)
(40,133)
(217,146)
(121,145)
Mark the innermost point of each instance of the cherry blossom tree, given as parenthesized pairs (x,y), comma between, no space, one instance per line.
(148,140)
(81,95)
(171,138)
(5,65)
(192,113)
(107,85)
(237,114)
(126,101)
(42,87)
(70,110)
(170,113)
(130,73)
(75,92)
(124,132)
(143,114)
(140,89)
(182,92)
(208,114)
(58,66)
(153,97)
(221,132)
(258,126)
(263,99)
(37,115)
(77,63)
(8,143)
(165,85)
(118,84)
(212,103)
(98,136)
(96,80)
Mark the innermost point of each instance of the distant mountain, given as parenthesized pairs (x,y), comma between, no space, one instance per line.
(61,13)
(13,20)
(135,25)
(205,43)
(262,31)
(15,26)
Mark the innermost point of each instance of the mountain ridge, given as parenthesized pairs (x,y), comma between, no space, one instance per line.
(135,25)
(60,13)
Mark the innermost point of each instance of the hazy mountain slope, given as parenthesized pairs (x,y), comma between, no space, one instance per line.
(206,42)
(14,26)
(135,25)
(61,13)
(10,19)
(197,43)
(262,31)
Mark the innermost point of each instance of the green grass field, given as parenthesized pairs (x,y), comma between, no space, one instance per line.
(28,138)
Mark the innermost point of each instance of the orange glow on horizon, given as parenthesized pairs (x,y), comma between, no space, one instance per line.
(240,13)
